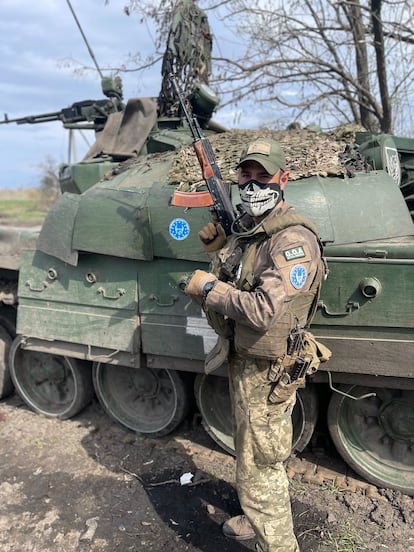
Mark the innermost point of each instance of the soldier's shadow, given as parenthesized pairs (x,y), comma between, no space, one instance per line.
(202,510)
(182,516)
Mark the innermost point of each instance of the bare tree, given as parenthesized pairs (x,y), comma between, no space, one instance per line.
(329,61)
(49,180)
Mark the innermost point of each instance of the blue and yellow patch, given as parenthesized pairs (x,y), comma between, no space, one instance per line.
(294,264)
(298,276)
(179,229)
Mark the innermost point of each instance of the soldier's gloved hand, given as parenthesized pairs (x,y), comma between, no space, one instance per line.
(212,237)
(198,280)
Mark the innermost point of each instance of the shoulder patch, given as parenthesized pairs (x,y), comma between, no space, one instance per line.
(298,276)
(294,253)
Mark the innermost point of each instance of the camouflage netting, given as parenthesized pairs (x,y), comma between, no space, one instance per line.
(308,153)
(188,54)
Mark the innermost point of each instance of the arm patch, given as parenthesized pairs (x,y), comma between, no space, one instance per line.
(294,253)
(294,265)
(298,275)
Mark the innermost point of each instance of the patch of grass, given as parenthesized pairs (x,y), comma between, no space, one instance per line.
(347,540)
(297,487)
(21,209)
(22,206)
(331,487)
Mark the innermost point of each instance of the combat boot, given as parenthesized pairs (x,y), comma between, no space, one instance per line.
(238,528)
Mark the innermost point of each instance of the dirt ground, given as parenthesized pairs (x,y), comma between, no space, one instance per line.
(88,485)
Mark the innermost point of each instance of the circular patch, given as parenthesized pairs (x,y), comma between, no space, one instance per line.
(179,229)
(298,275)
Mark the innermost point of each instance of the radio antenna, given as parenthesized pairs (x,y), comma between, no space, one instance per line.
(85,39)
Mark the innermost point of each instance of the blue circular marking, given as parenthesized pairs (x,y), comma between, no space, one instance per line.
(298,276)
(179,229)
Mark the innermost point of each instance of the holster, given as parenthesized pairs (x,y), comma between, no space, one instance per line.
(288,372)
(282,386)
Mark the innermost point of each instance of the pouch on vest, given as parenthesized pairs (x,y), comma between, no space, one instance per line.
(315,349)
(221,324)
(217,356)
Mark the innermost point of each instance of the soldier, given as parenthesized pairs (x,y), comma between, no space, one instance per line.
(262,288)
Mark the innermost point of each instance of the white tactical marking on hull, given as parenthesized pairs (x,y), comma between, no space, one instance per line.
(199,326)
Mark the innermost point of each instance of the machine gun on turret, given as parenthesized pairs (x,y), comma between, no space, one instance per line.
(85,114)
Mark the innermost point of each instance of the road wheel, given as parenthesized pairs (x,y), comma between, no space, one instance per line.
(375,436)
(304,416)
(52,385)
(6,384)
(149,401)
(213,401)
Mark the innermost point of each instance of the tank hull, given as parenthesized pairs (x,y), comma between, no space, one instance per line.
(101,289)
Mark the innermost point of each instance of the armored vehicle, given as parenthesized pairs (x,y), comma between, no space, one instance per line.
(93,302)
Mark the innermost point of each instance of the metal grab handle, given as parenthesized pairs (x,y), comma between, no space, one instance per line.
(153,297)
(182,284)
(32,287)
(120,293)
(347,394)
(351,306)
(100,358)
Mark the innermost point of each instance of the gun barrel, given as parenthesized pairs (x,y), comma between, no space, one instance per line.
(32,119)
(94,111)
(189,119)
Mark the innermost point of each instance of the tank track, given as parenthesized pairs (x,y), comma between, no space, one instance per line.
(300,469)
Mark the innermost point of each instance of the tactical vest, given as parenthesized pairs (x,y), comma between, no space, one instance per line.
(300,310)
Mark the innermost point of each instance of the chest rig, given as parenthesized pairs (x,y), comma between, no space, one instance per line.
(238,269)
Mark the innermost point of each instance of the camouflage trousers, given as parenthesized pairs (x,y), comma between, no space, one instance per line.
(263,440)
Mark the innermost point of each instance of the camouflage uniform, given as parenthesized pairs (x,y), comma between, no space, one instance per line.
(263,440)
(262,430)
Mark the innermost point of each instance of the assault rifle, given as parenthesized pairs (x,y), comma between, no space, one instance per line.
(217,198)
(94,112)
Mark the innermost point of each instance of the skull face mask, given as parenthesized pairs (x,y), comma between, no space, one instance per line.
(259,198)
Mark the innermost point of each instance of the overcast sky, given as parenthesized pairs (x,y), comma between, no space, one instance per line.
(37,38)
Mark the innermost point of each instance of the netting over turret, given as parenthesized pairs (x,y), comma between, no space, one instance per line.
(307,152)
